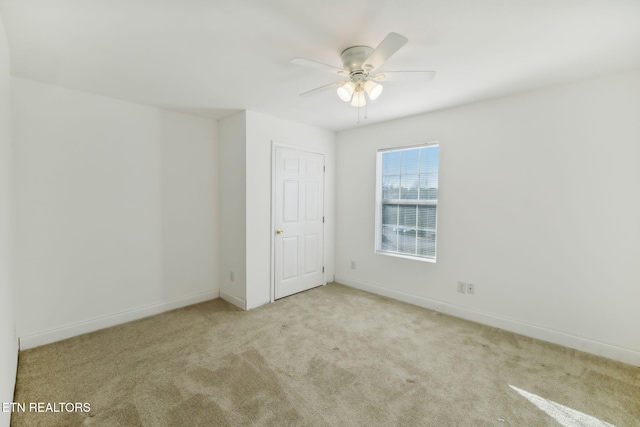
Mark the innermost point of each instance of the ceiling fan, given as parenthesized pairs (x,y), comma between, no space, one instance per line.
(360,64)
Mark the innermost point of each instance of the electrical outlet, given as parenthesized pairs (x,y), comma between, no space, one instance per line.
(353,265)
(462,287)
(471,288)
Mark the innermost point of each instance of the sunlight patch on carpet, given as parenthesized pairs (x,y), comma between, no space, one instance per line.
(566,416)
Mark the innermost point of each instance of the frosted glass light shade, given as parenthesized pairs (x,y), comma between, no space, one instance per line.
(373,89)
(346,91)
(358,99)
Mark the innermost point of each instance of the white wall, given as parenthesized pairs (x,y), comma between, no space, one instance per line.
(246,143)
(116,211)
(233,209)
(539,207)
(262,129)
(8,339)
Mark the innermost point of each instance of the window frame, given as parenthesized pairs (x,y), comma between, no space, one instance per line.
(412,202)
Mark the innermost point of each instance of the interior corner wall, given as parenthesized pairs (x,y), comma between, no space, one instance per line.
(8,338)
(539,206)
(116,211)
(233,244)
(262,131)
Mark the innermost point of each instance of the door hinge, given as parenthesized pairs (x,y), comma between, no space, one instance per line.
(324,168)
(323,269)
(323,220)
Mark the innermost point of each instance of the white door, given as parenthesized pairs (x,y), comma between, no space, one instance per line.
(298,223)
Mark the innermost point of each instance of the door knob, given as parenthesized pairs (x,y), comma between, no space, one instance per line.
(279,231)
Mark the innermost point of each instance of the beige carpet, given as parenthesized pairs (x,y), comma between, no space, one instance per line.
(332,356)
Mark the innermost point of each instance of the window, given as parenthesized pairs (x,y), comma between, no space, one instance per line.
(407,201)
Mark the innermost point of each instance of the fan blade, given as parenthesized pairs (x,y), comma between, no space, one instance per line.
(322,88)
(390,45)
(405,76)
(315,64)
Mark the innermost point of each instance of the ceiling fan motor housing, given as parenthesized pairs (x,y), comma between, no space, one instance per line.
(353,59)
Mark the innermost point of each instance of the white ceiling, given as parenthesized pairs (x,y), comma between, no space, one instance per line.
(214,57)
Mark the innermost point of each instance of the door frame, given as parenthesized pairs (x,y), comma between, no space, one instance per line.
(274,145)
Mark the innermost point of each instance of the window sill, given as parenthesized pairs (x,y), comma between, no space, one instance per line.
(398,255)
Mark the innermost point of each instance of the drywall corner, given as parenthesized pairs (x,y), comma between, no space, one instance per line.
(8,339)
(233,242)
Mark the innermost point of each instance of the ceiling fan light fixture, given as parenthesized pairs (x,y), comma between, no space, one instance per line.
(360,79)
(373,89)
(345,92)
(359,99)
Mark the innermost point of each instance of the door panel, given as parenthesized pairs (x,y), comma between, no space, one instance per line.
(311,208)
(290,201)
(310,254)
(299,228)
(289,257)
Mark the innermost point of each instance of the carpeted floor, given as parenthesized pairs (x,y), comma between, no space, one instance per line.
(332,356)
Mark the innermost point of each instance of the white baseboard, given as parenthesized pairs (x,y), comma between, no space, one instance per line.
(80,328)
(565,339)
(237,301)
